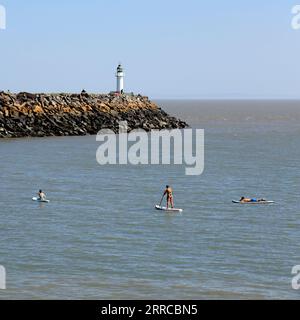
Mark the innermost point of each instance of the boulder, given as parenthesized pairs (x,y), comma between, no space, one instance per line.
(27,114)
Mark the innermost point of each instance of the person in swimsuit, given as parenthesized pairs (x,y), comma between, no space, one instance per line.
(169,193)
(41,195)
(243,199)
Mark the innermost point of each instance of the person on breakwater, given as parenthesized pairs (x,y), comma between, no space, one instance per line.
(169,193)
(42,195)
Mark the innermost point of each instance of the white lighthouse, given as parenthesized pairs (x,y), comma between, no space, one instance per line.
(120,79)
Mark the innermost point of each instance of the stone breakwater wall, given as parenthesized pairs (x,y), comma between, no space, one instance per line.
(38,115)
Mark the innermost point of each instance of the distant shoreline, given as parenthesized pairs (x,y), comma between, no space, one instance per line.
(227,99)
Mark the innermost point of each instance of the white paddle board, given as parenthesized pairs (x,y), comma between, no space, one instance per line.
(39,200)
(253,202)
(157,207)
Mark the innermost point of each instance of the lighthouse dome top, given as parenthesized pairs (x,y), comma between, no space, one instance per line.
(120,68)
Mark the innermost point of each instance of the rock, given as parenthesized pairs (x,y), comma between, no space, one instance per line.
(27,114)
(37,109)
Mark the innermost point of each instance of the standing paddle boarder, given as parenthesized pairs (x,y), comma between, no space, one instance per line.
(170,202)
(169,193)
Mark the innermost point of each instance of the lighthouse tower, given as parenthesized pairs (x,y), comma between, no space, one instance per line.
(120,79)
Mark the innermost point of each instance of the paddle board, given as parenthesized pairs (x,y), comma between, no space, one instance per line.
(39,200)
(157,207)
(253,202)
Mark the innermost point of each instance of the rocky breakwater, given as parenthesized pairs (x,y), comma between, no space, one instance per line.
(39,115)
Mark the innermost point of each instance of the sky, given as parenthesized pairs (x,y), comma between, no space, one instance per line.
(169,49)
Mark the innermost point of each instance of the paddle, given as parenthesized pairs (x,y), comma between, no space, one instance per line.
(161,199)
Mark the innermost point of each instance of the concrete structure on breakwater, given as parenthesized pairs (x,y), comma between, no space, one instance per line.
(39,115)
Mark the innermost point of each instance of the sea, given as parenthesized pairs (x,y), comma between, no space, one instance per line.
(100,236)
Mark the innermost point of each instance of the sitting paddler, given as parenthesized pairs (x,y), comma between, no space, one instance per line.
(42,195)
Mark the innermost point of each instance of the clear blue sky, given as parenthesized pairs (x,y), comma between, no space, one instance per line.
(169,48)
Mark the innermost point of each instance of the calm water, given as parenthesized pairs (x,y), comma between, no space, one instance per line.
(100,238)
